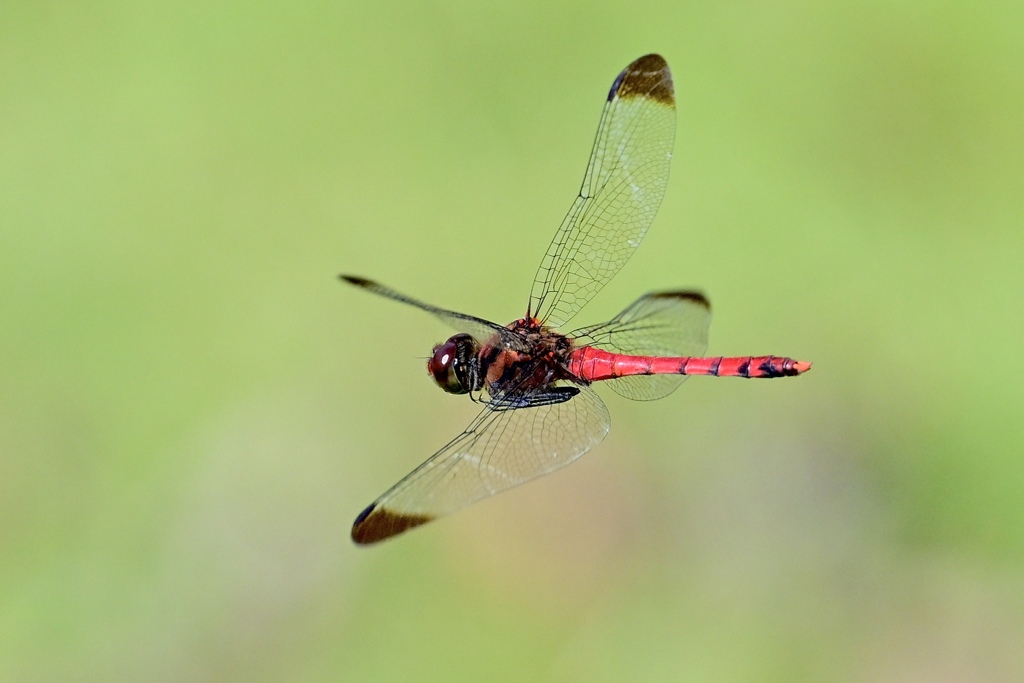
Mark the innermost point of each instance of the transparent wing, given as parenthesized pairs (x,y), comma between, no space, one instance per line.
(502,448)
(621,192)
(657,324)
(479,328)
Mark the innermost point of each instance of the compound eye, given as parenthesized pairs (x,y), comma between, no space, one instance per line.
(443,365)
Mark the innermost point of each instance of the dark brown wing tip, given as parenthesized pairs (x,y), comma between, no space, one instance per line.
(648,77)
(376,524)
(356,280)
(693,296)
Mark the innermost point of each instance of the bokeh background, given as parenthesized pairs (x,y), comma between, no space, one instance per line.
(193,408)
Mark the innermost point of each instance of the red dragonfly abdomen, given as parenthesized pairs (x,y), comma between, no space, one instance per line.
(594,365)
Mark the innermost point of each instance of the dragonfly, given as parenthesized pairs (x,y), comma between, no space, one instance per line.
(539,409)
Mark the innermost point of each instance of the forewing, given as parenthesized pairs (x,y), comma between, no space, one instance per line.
(657,324)
(479,328)
(500,449)
(621,192)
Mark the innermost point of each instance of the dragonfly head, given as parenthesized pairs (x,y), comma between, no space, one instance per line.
(451,363)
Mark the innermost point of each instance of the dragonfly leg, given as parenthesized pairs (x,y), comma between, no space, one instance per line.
(549,396)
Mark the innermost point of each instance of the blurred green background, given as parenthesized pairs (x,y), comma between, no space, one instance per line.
(193,408)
